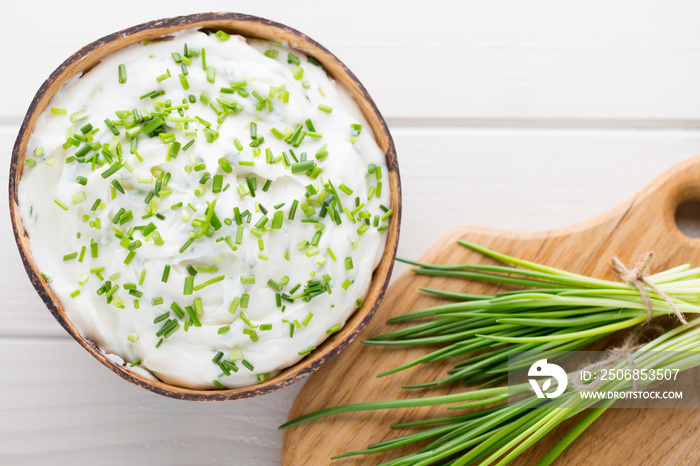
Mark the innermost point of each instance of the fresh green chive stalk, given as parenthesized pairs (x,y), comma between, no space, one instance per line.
(564,312)
(499,433)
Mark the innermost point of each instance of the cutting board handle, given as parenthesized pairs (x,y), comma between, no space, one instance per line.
(660,200)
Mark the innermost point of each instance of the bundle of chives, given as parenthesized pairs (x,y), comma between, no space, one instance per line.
(499,434)
(565,312)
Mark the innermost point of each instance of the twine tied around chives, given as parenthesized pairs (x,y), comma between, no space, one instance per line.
(636,277)
(624,351)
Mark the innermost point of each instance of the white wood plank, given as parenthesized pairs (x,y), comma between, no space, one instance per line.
(475,62)
(524,179)
(520,179)
(60,406)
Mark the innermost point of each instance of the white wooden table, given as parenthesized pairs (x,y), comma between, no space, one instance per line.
(510,114)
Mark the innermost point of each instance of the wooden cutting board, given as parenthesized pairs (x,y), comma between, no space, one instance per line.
(620,436)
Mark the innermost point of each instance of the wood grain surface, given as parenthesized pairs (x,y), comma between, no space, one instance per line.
(624,436)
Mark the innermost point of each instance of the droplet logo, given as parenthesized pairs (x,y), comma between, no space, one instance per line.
(542,368)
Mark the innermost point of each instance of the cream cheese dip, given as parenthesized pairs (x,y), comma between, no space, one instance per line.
(207,208)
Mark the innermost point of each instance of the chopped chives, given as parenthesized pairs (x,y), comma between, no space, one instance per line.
(122,74)
(129,257)
(330,253)
(112,291)
(171,328)
(183,81)
(209,282)
(303,166)
(277,220)
(188,145)
(234,305)
(163,76)
(112,170)
(78,197)
(177,310)
(198,307)
(333,329)
(307,350)
(247,279)
(225,166)
(224,329)
(348,263)
(235,355)
(70,256)
(325,108)
(60,204)
(166,273)
(193,316)
(307,319)
(79,115)
(189,285)
(293,209)
(217,183)
(154,124)
(186,245)
(273,284)
(161,317)
(134,245)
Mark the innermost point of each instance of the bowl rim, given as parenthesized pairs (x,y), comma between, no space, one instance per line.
(230,22)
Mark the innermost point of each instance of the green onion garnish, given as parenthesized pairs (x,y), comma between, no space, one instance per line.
(79,115)
(209,282)
(307,350)
(189,285)
(122,74)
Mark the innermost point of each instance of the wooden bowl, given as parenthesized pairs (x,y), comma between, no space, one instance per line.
(249,26)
